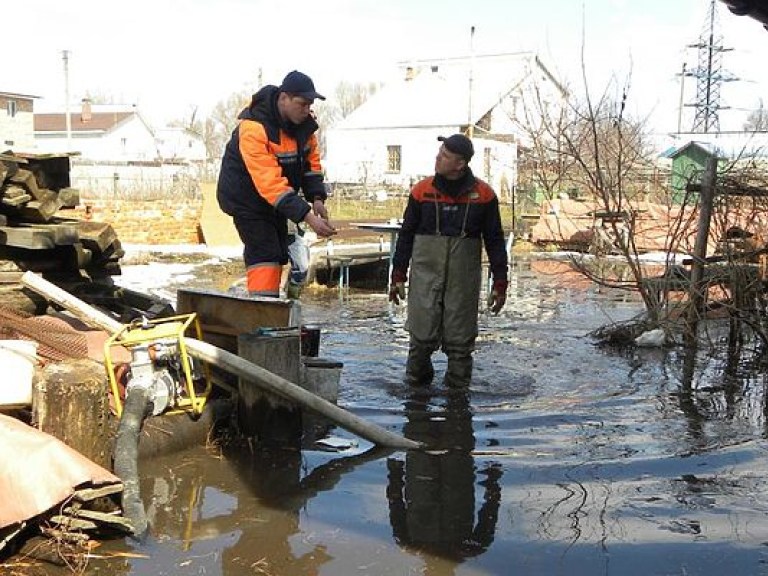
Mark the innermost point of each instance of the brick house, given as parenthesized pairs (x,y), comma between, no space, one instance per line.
(17,121)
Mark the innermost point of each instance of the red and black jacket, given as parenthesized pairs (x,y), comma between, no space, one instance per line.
(467,207)
(267,161)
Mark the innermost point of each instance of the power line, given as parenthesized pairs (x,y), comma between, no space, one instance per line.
(709,75)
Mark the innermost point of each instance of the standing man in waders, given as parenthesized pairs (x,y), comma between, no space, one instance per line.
(448,218)
(272,155)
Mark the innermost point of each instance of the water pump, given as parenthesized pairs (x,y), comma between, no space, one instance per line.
(160,364)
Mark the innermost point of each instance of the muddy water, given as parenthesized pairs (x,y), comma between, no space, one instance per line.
(561,459)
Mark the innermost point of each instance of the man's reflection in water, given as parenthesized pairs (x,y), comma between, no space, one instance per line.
(432,493)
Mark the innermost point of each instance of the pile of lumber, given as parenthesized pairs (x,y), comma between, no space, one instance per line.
(33,189)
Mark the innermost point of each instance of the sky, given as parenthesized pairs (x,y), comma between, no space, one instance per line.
(172,57)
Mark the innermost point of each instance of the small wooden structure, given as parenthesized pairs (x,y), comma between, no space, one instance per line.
(267,333)
(223,317)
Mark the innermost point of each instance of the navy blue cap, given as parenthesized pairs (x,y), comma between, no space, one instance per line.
(300,84)
(459,144)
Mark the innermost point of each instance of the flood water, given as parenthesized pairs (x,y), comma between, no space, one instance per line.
(562,458)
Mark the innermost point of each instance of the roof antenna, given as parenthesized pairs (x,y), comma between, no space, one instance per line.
(68,119)
(471,127)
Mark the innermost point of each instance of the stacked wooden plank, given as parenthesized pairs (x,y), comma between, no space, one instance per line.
(33,188)
(66,533)
(89,510)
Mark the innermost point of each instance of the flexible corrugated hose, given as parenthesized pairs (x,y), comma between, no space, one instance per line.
(136,408)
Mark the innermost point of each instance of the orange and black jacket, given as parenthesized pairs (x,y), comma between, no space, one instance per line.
(467,208)
(267,161)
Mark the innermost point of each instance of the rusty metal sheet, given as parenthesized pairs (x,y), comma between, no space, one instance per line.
(48,473)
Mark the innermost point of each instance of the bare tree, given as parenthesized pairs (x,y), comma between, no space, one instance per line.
(348,96)
(351,95)
(223,120)
(591,148)
(216,128)
(757,121)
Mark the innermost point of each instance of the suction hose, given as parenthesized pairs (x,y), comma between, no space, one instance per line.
(136,408)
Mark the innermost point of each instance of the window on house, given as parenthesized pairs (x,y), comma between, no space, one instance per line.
(12,108)
(394,157)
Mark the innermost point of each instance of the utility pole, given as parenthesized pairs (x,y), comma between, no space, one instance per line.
(68,119)
(696,295)
(680,105)
(471,127)
(709,75)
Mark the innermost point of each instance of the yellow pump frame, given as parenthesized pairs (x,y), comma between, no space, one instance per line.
(172,327)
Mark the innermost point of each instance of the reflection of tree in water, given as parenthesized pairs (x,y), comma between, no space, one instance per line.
(722,396)
(432,493)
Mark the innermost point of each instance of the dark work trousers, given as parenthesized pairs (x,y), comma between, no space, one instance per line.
(265,251)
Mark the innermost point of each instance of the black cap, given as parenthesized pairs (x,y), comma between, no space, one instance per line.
(301,85)
(459,144)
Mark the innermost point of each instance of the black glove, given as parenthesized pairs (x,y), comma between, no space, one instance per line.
(498,296)
(397,286)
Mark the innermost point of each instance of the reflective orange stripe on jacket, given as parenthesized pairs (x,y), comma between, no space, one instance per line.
(264,279)
(425,191)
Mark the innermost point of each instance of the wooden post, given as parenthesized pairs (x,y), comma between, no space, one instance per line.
(697,294)
(70,402)
(234,364)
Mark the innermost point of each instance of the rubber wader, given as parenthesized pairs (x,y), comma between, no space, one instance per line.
(443,300)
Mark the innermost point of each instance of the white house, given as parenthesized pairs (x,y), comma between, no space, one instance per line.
(118,151)
(176,144)
(391,140)
(99,133)
(17,121)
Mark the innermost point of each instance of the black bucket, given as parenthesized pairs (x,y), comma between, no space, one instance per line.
(310,341)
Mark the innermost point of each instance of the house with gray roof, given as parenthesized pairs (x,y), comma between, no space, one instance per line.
(391,140)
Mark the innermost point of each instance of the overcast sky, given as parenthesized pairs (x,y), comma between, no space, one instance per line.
(170,56)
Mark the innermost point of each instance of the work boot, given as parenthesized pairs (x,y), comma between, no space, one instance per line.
(293,291)
(419,379)
(418,369)
(459,371)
